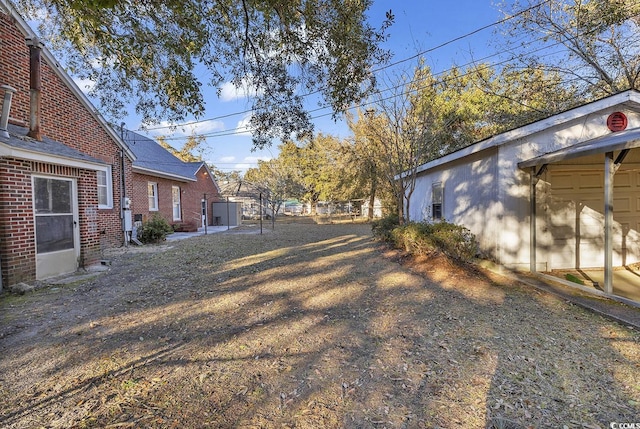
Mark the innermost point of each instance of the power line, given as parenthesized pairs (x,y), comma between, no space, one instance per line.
(241,130)
(413,57)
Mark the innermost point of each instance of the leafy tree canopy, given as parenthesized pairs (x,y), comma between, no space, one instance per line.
(595,43)
(186,154)
(151,51)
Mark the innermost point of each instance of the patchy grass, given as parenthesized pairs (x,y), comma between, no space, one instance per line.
(308,326)
(573,279)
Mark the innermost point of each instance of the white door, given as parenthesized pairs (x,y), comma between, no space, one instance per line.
(56,218)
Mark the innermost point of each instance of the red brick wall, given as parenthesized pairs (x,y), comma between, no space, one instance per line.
(191,197)
(17,226)
(140,200)
(14,66)
(194,192)
(65,119)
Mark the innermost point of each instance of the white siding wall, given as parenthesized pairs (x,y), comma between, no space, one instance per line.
(470,197)
(487,193)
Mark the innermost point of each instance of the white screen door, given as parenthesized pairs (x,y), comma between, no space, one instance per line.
(56,218)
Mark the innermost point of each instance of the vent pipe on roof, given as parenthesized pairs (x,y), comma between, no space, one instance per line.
(6,108)
(35,84)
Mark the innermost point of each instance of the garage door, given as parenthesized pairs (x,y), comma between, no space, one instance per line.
(576,218)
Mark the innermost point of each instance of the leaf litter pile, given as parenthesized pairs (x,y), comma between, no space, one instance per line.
(307,326)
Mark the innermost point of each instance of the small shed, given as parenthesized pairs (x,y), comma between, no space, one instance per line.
(560,193)
(226,213)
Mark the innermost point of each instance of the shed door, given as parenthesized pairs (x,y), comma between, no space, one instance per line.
(577,219)
(57,239)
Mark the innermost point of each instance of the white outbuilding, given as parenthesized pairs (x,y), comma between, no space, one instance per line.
(560,193)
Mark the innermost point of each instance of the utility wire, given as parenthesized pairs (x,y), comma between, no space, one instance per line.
(240,130)
(387,66)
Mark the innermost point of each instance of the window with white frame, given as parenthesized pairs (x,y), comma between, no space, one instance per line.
(152,192)
(105,190)
(437,201)
(175,192)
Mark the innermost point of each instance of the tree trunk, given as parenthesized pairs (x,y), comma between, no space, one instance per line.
(372,198)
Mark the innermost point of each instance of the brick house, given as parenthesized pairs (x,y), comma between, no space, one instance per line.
(181,192)
(62,167)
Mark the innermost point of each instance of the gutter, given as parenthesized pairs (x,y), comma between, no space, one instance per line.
(151,172)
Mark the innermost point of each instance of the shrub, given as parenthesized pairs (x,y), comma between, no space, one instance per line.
(455,241)
(154,230)
(414,237)
(382,228)
(423,237)
(573,279)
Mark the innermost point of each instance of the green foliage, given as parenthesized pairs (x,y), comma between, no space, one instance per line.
(154,230)
(600,41)
(455,241)
(573,279)
(383,228)
(421,238)
(154,52)
(186,154)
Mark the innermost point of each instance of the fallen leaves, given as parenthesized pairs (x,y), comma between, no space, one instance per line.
(308,327)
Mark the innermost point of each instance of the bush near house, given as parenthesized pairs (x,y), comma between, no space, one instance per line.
(154,230)
(420,238)
(382,228)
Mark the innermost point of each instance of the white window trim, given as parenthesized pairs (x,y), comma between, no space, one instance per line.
(173,203)
(109,185)
(155,196)
(437,187)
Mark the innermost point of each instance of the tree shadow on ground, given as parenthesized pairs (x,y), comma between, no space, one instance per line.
(310,326)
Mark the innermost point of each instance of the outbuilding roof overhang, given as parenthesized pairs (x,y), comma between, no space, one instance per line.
(619,141)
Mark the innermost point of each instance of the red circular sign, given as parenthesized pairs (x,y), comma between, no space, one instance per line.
(617,121)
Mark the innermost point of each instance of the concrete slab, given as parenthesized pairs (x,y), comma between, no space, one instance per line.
(626,281)
(201,231)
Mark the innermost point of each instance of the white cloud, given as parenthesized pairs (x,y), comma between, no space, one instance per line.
(227,159)
(242,128)
(255,159)
(250,162)
(243,166)
(230,92)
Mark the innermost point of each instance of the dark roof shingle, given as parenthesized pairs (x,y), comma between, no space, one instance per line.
(18,139)
(154,158)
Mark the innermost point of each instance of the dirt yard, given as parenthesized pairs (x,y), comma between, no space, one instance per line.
(307,326)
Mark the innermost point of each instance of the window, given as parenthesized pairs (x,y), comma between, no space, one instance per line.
(175,192)
(436,201)
(105,193)
(152,192)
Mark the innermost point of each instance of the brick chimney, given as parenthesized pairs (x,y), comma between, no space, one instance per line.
(35,85)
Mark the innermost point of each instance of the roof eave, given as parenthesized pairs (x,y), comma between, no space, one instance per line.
(210,174)
(628,139)
(9,151)
(29,33)
(163,174)
(629,97)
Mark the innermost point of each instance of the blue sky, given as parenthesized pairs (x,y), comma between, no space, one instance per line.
(420,25)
